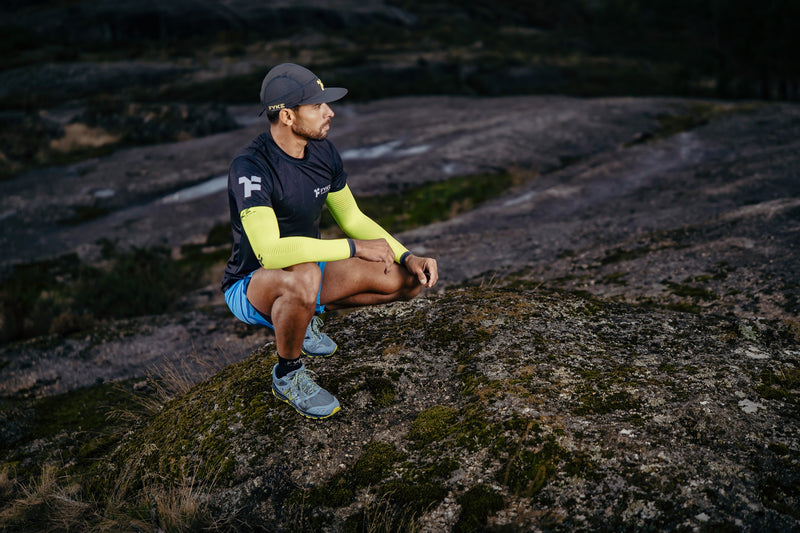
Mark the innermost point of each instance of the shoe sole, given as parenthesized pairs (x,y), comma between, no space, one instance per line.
(286,400)
(312,354)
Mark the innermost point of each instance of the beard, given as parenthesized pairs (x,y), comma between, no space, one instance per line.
(300,129)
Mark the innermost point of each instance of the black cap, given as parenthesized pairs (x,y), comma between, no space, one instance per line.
(289,85)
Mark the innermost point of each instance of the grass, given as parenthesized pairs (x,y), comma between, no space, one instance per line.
(54,474)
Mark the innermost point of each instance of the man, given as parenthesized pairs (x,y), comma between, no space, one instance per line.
(280,272)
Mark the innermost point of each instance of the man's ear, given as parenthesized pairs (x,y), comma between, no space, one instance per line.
(287,116)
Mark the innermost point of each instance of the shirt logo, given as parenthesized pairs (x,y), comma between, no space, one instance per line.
(319,191)
(250,185)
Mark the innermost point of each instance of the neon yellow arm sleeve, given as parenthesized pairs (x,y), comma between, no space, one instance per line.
(356,224)
(273,251)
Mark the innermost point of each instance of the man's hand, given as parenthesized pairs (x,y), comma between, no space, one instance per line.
(425,268)
(376,250)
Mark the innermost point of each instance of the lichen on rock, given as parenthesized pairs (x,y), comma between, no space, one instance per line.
(546,409)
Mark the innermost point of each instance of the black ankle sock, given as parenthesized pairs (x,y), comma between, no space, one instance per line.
(287,365)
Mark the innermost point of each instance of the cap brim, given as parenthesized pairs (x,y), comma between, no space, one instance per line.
(330,94)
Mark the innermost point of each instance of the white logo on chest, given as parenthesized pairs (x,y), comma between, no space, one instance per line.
(250,185)
(321,190)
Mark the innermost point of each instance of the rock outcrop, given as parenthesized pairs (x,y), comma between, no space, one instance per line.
(497,409)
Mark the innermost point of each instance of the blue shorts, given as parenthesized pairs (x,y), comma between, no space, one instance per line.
(240,306)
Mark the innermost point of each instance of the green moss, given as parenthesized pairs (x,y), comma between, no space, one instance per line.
(432,202)
(578,464)
(477,504)
(375,463)
(416,496)
(220,234)
(620,255)
(684,307)
(192,435)
(432,425)
(382,389)
(438,470)
(82,424)
(337,492)
(698,114)
(599,403)
(780,385)
(397,506)
(474,431)
(64,296)
(690,291)
(527,470)
(345,385)
(778,448)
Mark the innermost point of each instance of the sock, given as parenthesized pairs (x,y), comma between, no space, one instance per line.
(287,365)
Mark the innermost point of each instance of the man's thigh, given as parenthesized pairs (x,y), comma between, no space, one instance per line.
(354,281)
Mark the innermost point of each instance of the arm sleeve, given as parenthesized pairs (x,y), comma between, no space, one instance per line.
(356,224)
(273,251)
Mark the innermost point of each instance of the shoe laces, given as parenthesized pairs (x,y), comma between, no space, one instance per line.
(316,323)
(303,383)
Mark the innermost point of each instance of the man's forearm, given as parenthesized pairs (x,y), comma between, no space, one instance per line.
(274,251)
(356,224)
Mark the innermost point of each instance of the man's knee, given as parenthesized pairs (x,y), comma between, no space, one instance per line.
(409,288)
(303,283)
(298,284)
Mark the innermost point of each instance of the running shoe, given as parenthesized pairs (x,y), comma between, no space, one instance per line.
(299,390)
(316,343)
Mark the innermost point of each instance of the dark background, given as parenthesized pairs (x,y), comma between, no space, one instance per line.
(117,60)
(713,48)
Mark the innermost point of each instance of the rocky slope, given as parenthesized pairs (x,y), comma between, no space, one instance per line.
(705,219)
(522,409)
(614,344)
(511,398)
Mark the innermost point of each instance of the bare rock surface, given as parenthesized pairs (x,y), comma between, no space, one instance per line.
(387,145)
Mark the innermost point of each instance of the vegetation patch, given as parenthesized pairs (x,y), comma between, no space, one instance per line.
(432,202)
(310,507)
(691,291)
(432,425)
(527,471)
(781,384)
(600,403)
(477,504)
(84,422)
(346,385)
(698,114)
(620,255)
(64,296)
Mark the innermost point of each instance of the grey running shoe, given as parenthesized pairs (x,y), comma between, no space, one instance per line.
(299,390)
(316,343)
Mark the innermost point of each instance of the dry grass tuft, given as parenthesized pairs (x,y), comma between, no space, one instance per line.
(45,504)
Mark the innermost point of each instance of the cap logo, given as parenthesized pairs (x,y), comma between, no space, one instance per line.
(319,81)
(276,107)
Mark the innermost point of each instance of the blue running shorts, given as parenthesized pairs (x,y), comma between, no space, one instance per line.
(236,298)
